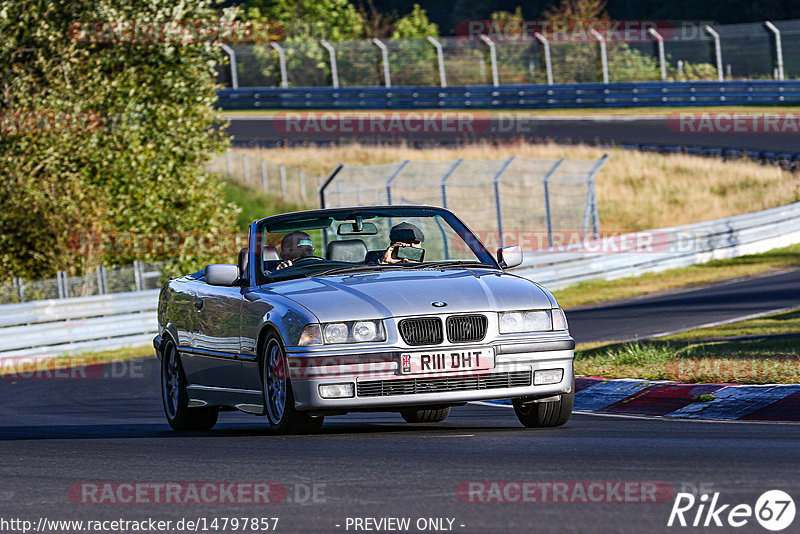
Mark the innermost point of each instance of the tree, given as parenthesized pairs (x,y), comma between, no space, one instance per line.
(415,24)
(135,166)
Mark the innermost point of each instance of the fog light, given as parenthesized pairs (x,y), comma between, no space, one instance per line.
(547,376)
(336,391)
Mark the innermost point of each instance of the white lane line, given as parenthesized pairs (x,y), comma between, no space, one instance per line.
(725,321)
(654,417)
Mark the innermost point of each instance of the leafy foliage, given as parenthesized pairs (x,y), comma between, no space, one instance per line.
(137,168)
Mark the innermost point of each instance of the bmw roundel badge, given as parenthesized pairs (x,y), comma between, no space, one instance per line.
(438,304)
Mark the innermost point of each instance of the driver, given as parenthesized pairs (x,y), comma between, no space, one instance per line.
(402,235)
(295,245)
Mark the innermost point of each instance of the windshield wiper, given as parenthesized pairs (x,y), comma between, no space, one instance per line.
(354,268)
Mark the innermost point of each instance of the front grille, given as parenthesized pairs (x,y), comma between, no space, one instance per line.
(422,331)
(466,328)
(416,386)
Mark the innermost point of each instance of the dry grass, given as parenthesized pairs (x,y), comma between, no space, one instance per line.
(636,190)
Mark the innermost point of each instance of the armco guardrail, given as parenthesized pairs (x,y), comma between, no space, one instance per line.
(667,248)
(48,328)
(567,95)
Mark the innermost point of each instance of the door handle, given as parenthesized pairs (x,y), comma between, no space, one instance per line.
(198,304)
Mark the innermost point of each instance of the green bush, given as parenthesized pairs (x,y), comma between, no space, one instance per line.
(139,167)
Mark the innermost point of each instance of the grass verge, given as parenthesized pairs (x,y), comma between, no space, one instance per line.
(595,291)
(704,355)
(255,204)
(26,368)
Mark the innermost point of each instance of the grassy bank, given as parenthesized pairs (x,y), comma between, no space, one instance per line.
(715,354)
(596,291)
(635,190)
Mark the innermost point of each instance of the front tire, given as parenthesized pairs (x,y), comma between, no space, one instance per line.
(435,415)
(278,395)
(546,414)
(176,400)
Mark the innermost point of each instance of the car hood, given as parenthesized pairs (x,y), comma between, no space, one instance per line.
(398,293)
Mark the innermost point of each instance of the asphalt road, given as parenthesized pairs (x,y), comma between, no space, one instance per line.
(590,130)
(669,312)
(58,436)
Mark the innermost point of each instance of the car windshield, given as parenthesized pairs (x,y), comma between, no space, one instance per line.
(369,239)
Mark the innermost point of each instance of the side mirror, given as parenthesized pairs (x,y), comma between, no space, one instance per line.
(220,274)
(509,257)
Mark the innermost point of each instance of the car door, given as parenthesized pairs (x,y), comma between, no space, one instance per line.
(214,359)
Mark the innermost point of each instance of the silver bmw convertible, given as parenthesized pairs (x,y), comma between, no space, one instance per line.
(386,308)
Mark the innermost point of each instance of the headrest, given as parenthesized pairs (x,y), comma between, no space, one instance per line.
(242,262)
(270,253)
(350,250)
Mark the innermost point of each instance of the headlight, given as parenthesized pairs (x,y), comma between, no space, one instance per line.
(353,332)
(311,335)
(525,321)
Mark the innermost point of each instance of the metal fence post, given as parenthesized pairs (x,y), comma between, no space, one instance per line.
(548,64)
(603,53)
(283,181)
(234,73)
(63,290)
(661,56)
(264,177)
(391,178)
(20,289)
(497,204)
(548,216)
(137,275)
(493,57)
(440,60)
(282,63)
(246,169)
(447,175)
(303,184)
(591,211)
(332,56)
(324,185)
(778,47)
(228,163)
(100,286)
(387,78)
(717,51)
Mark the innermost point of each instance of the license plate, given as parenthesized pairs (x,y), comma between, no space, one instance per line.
(446,361)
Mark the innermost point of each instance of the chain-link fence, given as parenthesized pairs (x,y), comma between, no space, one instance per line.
(139,276)
(691,51)
(505,201)
(287,182)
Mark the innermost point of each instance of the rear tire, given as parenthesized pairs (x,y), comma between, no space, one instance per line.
(278,395)
(546,414)
(435,415)
(176,400)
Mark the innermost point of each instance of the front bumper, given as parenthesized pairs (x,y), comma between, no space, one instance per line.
(378,383)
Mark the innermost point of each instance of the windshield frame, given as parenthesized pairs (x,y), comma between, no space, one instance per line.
(483,255)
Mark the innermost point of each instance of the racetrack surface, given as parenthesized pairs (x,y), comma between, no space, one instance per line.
(670,312)
(57,433)
(589,130)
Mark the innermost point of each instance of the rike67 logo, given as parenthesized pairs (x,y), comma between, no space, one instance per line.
(774,510)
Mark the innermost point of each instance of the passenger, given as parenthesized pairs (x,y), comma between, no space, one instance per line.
(294,246)
(402,235)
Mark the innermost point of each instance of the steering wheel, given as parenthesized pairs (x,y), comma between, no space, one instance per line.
(306,258)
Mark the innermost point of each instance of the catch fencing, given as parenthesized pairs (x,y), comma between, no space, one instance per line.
(491,55)
(289,183)
(492,196)
(139,276)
